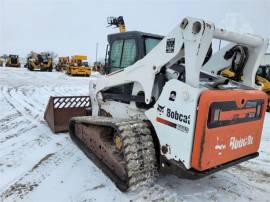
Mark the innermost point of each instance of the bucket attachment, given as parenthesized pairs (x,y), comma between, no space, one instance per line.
(60,110)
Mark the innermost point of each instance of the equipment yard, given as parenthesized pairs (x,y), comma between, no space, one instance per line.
(37,165)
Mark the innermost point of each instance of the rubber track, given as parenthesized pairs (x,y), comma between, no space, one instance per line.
(139,153)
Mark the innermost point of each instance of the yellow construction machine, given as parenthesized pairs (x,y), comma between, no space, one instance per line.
(63,63)
(39,61)
(1,63)
(262,78)
(13,61)
(78,66)
(118,22)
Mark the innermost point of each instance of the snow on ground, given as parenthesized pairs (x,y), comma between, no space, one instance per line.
(37,165)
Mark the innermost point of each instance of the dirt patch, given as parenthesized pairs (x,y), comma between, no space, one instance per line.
(98,187)
(19,190)
(42,160)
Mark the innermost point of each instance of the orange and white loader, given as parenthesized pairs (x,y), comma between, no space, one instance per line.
(163,113)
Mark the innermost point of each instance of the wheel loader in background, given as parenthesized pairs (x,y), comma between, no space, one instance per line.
(78,67)
(39,61)
(13,61)
(63,63)
(158,111)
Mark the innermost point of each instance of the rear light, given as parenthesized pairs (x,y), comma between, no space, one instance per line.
(259,110)
(216,114)
(227,113)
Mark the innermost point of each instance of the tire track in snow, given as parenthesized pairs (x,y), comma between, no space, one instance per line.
(10,125)
(23,139)
(8,118)
(20,102)
(20,106)
(15,153)
(21,128)
(16,158)
(13,125)
(36,175)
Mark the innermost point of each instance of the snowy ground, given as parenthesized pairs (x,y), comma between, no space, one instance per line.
(37,165)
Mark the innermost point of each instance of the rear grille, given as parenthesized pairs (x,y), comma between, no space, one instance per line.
(227,113)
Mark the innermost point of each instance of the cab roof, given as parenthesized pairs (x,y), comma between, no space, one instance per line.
(132,34)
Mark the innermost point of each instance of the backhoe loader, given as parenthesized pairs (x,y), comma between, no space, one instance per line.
(157,110)
(77,66)
(39,61)
(13,61)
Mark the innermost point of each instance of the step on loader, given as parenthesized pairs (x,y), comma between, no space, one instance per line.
(158,111)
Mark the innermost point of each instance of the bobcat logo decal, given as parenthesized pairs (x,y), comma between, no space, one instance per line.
(160,109)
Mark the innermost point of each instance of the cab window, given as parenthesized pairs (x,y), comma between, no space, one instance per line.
(123,53)
(150,43)
(116,52)
(129,53)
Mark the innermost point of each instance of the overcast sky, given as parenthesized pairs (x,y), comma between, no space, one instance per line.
(70,27)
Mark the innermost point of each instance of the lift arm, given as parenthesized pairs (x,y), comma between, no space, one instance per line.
(189,40)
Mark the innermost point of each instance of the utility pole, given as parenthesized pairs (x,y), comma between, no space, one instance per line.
(96,51)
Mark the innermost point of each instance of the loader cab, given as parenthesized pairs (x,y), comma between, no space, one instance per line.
(41,58)
(14,59)
(128,47)
(124,49)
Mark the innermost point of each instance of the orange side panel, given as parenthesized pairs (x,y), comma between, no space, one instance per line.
(215,146)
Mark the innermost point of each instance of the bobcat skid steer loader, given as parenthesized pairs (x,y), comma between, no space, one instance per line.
(157,111)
